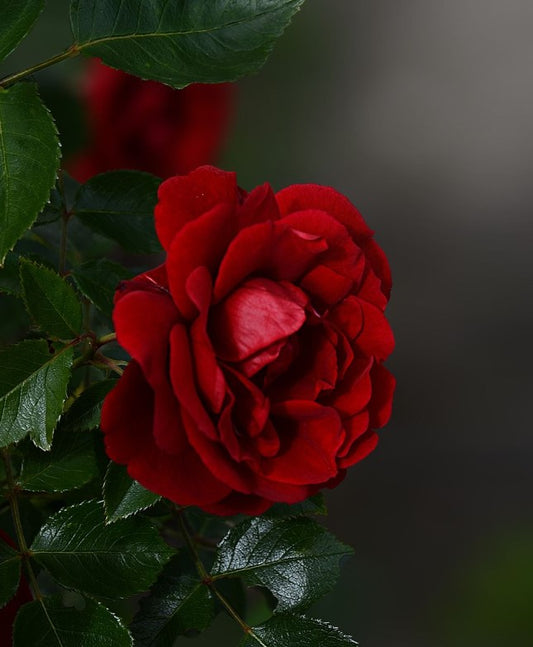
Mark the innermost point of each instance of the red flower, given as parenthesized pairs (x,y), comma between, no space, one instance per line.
(10,610)
(148,126)
(257,347)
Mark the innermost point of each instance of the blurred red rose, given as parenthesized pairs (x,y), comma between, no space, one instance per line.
(10,610)
(257,347)
(148,126)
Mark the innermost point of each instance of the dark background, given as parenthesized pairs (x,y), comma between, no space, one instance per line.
(421,111)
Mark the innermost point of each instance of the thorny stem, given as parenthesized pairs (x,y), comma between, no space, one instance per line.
(21,541)
(206,578)
(72,51)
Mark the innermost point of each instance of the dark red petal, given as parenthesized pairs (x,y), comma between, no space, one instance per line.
(209,376)
(313,371)
(127,418)
(371,289)
(237,503)
(143,320)
(252,408)
(186,197)
(182,478)
(379,263)
(218,459)
(255,316)
(272,250)
(310,437)
(348,316)
(127,415)
(383,384)
(183,382)
(376,338)
(258,206)
(360,449)
(168,431)
(354,427)
(343,255)
(201,242)
(312,196)
(326,286)
(353,394)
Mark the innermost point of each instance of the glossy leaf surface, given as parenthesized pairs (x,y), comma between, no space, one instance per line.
(184,41)
(29,158)
(296,559)
(18,17)
(49,623)
(33,385)
(69,464)
(123,496)
(116,560)
(50,300)
(287,630)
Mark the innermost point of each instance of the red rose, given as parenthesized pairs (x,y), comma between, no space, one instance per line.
(148,126)
(9,612)
(257,347)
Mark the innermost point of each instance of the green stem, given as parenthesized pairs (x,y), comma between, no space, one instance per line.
(72,51)
(106,339)
(206,578)
(21,540)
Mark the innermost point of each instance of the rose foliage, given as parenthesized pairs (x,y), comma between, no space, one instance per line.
(257,347)
(184,365)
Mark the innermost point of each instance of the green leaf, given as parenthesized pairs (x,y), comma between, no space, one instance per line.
(120,205)
(84,413)
(18,17)
(9,276)
(288,630)
(296,559)
(184,41)
(124,497)
(50,300)
(314,505)
(9,571)
(113,561)
(178,604)
(49,623)
(33,386)
(29,157)
(98,280)
(70,464)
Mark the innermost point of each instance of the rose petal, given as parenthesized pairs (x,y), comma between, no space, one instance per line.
(376,338)
(380,407)
(209,376)
(359,450)
(183,383)
(201,242)
(312,196)
(128,429)
(353,394)
(314,370)
(143,320)
(272,250)
(310,436)
(186,197)
(255,316)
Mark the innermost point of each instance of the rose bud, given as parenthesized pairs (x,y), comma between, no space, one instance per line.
(257,347)
(148,126)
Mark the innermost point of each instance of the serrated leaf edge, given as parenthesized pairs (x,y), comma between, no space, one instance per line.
(109,519)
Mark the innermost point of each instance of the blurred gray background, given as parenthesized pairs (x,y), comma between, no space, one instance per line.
(421,112)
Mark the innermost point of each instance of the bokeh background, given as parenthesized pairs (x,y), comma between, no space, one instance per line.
(421,111)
